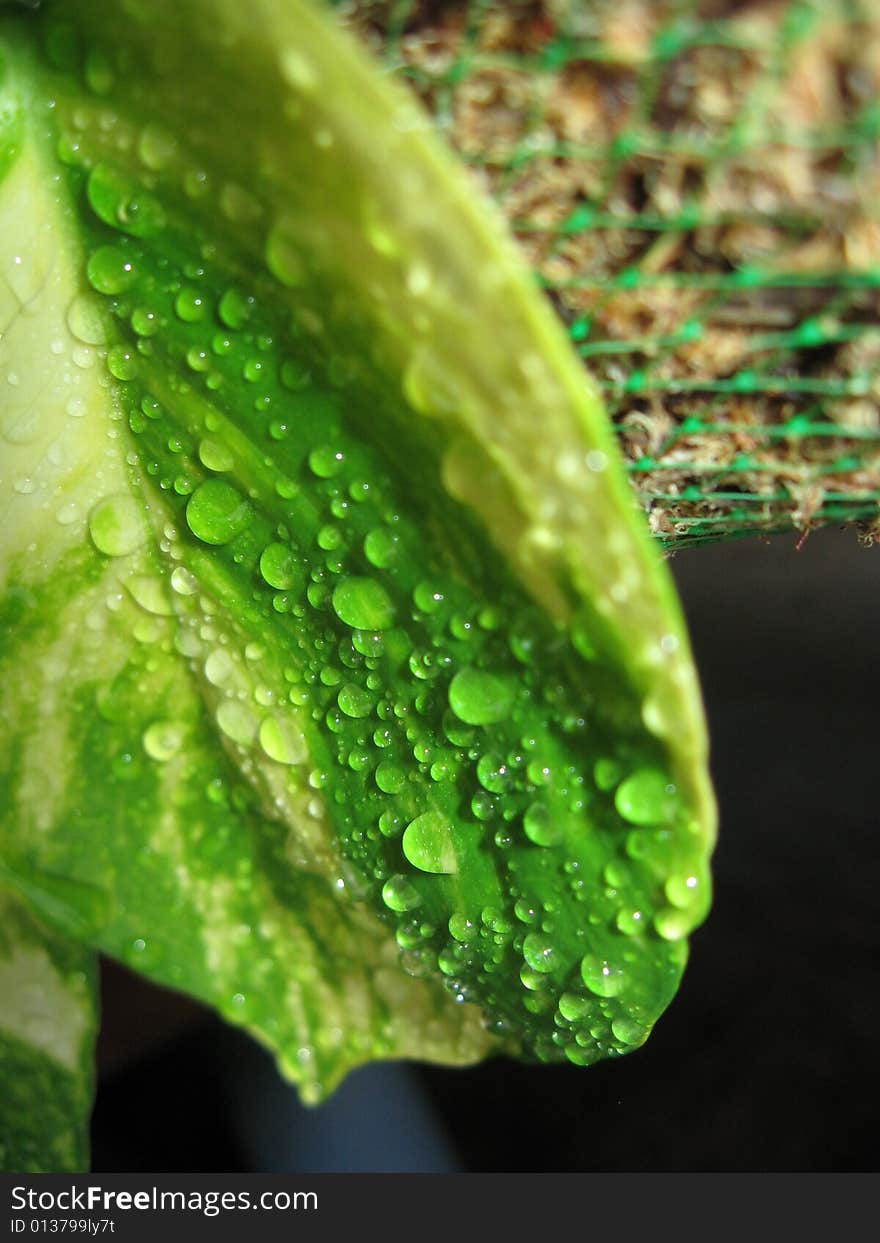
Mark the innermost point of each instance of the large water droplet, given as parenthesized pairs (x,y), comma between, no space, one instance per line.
(85,319)
(279,567)
(539,952)
(163,739)
(354,701)
(400,894)
(428,845)
(629,1031)
(234,308)
(284,257)
(110,270)
(216,512)
(601,977)
(190,305)
(122,203)
(363,604)
(214,455)
(480,698)
(645,797)
(116,525)
(237,720)
(541,826)
(283,741)
(390,777)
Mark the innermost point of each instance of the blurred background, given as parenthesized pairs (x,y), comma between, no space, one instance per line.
(766,1059)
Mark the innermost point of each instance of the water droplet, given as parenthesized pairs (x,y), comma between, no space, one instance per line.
(525,912)
(463,929)
(214,455)
(628,1030)
(390,777)
(163,739)
(601,977)
(238,721)
(216,512)
(298,71)
(363,604)
(183,582)
(122,203)
(234,309)
(238,204)
(116,525)
(539,952)
(121,363)
(368,642)
(573,1008)
(282,740)
(683,891)
(144,321)
(492,773)
(480,698)
(98,73)
(156,147)
(428,386)
(427,598)
(149,592)
(110,270)
(400,894)
(279,567)
(645,797)
(190,305)
(85,319)
(672,924)
(354,701)
(541,826)
(531,978)
(219,667)
(284,257)
(630,922)
(325,462)
(418,279)
(428,844)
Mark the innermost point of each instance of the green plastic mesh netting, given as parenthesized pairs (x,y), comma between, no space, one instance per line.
(697,187)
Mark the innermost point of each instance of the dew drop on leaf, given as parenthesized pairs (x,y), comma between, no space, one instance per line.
(162,740)
(573,1008)
(354,701)
(601,977)
(284,258)
(85,319)
(645,797)
(282,741)
(539,952)
(279,568)
(325,462)
(216,512)
(540,826)
(190,306)
(399,894)
(110,270)
(116,525)
(237,721)
(480,698)
(363,604)
(428,845)
(214,455)
(390,777)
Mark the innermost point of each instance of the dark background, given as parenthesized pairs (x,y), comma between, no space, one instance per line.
(766,1059)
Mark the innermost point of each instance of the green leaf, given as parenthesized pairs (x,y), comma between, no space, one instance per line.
(342,687)
(47,1030)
